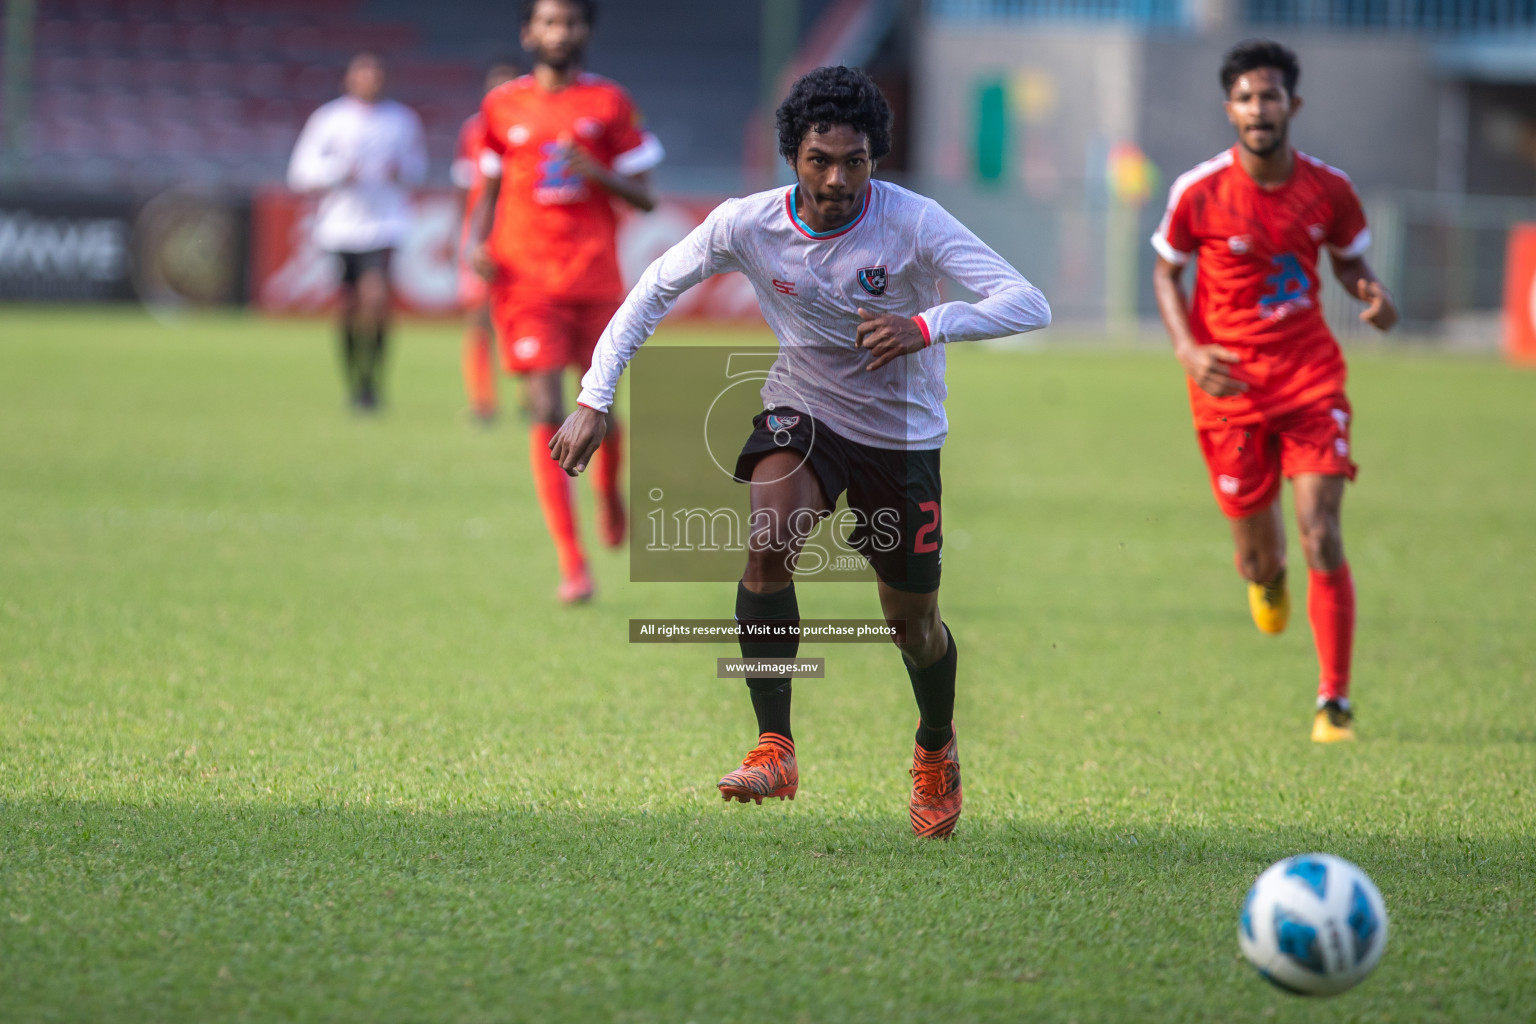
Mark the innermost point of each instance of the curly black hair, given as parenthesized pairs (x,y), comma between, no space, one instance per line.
(588,9)
(829,96)
(1251,54)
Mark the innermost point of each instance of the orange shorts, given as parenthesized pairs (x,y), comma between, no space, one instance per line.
(1246,462)
(540,334)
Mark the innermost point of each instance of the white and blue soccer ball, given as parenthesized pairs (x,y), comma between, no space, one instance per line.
(1313,925)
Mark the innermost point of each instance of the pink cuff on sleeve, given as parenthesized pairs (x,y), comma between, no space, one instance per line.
(922,325)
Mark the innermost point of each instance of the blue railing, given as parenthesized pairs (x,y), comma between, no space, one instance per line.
(1440,16)
(1136,12)
(1396,15)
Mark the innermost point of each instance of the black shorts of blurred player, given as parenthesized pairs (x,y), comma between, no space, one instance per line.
(895,497)
(365,301)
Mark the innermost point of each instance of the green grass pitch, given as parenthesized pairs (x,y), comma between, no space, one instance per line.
(292,728)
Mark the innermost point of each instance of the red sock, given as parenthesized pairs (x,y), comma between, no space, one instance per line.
(607,462)
(479,377)
(1331,610)
(554,490)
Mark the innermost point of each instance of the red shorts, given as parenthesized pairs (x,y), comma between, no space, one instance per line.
(1246,462)
(542,334)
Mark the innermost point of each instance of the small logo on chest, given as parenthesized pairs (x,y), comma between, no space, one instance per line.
(784,287)
(1316,232)
(873,280)
(1239,244)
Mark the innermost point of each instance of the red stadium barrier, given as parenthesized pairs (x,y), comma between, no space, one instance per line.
(1520,295)
(290,274)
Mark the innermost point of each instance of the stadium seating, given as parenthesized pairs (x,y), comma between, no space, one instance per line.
(142,93)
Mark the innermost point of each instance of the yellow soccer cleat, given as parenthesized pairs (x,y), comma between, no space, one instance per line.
(1270,604)
(1333,722)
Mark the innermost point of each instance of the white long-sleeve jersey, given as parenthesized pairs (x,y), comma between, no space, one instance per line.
(363,156)
(810,287)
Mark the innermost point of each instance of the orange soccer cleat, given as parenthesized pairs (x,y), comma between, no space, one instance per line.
(935,790)
(576,588)
(769,770)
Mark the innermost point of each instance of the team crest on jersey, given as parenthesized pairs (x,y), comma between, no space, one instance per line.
(589,127)
(518,134)
(777,423)
(872,280)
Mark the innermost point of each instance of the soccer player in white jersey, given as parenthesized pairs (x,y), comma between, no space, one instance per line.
(847,271)
(361,152)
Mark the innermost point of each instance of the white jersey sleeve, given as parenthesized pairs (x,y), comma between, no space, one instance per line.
(1009,304)
(317,162)
(704,253)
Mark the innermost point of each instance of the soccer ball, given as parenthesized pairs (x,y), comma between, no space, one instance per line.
(1313,925)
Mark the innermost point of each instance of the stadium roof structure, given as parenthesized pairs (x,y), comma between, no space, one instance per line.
(1502,58)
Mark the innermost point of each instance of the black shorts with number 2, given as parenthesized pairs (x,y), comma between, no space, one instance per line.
(897,494)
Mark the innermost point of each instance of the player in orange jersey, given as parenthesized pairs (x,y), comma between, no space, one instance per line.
(479,373)
(561,147)
(1266,377)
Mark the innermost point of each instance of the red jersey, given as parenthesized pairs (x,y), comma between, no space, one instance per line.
(554,231)
(1257,290)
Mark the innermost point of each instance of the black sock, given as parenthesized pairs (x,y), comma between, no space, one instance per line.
(934,688)
(351,358)
(770,696)
(373,363)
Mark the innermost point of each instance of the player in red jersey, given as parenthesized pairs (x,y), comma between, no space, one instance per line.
(474,295)
(1266,377)
(560,147)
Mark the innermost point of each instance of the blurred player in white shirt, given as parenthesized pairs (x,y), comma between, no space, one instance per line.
(361,152)
(846,270)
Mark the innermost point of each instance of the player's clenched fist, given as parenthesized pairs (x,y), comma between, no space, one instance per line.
(578,438)
(1381,313)
(1207,366)
(887,336)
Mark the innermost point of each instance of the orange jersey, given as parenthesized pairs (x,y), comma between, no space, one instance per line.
(554,231)
(1257,290)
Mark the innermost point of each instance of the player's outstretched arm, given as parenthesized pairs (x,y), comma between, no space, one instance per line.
(704,253)
(1207,365)
(1360,281)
